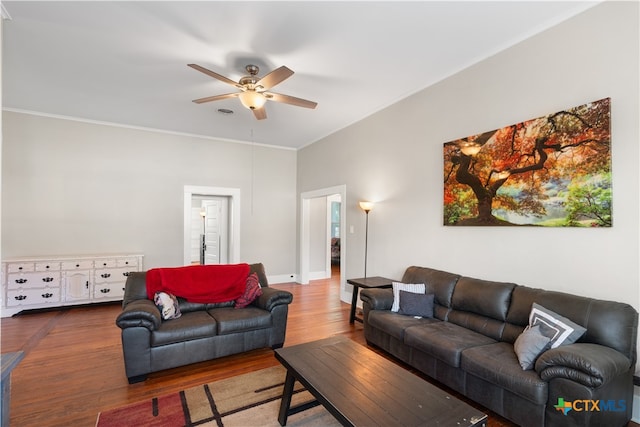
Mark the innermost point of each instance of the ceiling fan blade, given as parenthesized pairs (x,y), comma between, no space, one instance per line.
(260,113)
(214,75)
(216,97)
(273,78)
(298,102)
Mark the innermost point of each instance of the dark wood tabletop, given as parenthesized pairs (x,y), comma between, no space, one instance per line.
(361,388)
(371,282)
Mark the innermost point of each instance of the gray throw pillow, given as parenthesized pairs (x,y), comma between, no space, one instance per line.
(561,330)
(412,304)
(529,345)
(418,288)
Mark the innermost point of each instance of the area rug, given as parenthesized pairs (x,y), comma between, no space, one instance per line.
(246,400)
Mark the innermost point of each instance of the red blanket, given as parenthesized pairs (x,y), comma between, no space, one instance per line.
(200,283)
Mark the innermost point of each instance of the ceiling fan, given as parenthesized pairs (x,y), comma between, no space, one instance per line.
(254,89)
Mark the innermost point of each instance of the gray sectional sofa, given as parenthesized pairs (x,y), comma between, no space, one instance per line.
(202,332)
(468,346)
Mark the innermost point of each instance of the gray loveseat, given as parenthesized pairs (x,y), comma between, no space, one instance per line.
(202,332)
(469,346)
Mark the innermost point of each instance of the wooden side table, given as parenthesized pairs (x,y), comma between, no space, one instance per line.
(9,361)
(365,282)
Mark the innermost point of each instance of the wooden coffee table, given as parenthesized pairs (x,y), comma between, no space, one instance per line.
(361,388)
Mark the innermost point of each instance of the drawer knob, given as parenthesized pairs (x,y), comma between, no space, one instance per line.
(21,281)
(77,265)
(47,279)
(126,274)
(105,291)
(105,275)
(21,297)
(47,295)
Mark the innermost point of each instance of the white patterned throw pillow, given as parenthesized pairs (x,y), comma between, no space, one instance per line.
(559,329)
(416,288)
(168,305)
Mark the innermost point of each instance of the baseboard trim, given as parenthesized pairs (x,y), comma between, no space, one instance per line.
(282,278)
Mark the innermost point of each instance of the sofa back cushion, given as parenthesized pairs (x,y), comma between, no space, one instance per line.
(258,268)
(481,305)
(439,283)
(608,323)
(136,288)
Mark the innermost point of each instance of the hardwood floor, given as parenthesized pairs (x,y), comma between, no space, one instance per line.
(73,368)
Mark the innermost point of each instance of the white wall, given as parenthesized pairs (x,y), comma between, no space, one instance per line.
(395,158)
(71,187)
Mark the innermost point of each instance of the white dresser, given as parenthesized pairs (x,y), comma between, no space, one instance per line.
(42,282)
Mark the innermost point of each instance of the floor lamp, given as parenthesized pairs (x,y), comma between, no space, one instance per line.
(366,207)
(203,240)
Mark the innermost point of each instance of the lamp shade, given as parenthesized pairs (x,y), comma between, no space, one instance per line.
(252,100)
(366,206)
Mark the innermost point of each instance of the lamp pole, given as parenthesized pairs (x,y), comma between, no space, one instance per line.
(366,207)
(203,244)
(366,242)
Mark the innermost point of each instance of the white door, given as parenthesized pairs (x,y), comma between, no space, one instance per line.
(216,230)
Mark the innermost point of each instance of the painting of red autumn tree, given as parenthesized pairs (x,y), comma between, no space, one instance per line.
(552,171)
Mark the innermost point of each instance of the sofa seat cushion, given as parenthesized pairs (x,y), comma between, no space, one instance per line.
(395,324)
(231,321)
(189,326)
(497,363)
(443,340)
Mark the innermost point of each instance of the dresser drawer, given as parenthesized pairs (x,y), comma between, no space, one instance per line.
(46,295)
(106,263)
(108,290)
(77,265)
(111,275)
(128,262)
(20,267)
(33,280)
(47,266)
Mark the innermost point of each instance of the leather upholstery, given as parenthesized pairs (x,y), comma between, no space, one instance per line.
(469,347)
(203,332)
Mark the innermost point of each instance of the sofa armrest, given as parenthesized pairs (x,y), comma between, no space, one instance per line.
(272,297)
(588,364)
(140,313)
(378,299)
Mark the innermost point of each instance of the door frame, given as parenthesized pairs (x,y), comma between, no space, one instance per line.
(234,218)
(305,236)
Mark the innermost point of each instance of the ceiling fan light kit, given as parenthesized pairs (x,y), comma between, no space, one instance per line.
(252,99)
(254,89)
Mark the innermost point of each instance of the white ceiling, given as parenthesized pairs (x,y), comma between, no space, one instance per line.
(126,62)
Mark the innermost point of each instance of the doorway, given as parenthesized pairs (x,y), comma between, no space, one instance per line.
(211,225)
(306,204)
(209,229)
